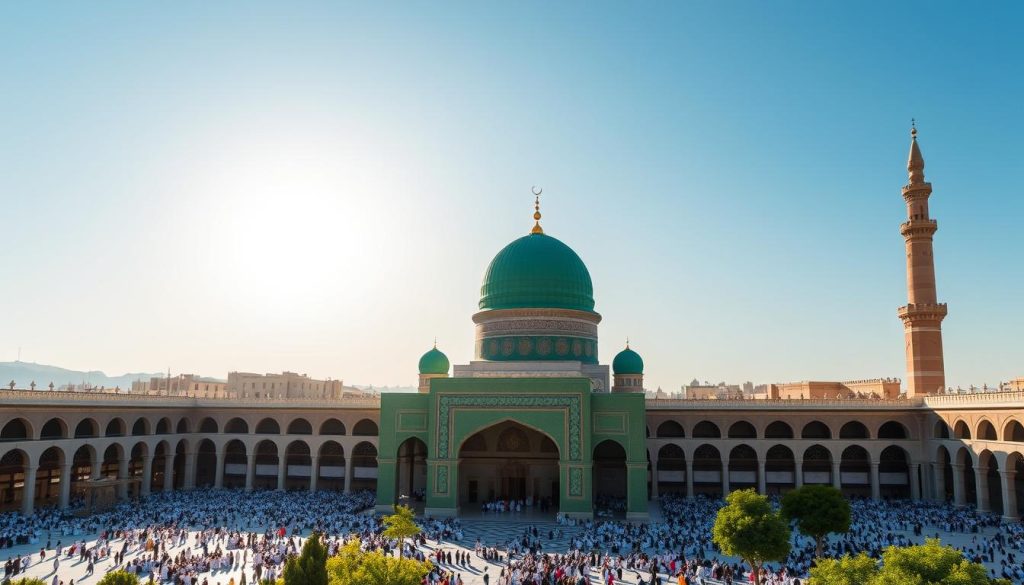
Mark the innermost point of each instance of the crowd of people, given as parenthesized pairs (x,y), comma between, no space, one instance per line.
(233,537)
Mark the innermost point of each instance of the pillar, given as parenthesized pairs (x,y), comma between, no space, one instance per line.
(762,481)
(837,478)
(218,476)
(1009,481)
(689,477)
(190,470)
(915,482)
(168,472)
(28,493)
(282,471)
(65,486)
(250,472)
(876,487)
(147,475)
(122,475)
(939,481)
(95,470)
(798,472)
(959,493)
(348,475)
(314,472)
(726,488)
(654,478)
(981,481)
(636,490)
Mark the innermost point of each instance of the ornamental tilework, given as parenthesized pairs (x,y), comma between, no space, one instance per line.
(570,402)
(575,481)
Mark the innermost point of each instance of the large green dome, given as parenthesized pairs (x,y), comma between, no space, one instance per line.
(537,271)
(628,362)
(434,362)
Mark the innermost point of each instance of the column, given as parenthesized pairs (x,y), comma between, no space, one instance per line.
(915,482)
(762,481)
(654,478)
(689,477)
(95,470)
(981,481)
(65,485)
(28,493)
(798,472)
(168,472)
(122,475)
(282,471)
(1009,481)
(726,488)
(190,470)
(876,488)
(250,472)
(959,493)
(147,475)
(218,481)
(348,475)
(939,481)
(837,479)
(314,472)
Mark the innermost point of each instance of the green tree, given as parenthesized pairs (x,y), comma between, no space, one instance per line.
(818,510)
(927,564)
(401,525)
(310,567)
(27,581)
(352,566)
(119,578)
(748,528)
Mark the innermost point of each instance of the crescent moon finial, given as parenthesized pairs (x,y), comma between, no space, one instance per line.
(536,190)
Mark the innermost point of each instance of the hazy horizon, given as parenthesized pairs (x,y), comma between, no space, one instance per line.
(319,187)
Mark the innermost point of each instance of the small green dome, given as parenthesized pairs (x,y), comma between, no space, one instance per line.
(539,272)
(628,362)
(434,362)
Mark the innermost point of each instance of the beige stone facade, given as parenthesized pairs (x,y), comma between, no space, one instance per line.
(285,385)
(181,385)
(875,388)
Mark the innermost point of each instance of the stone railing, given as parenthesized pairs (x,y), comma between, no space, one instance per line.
(72,398)
(784,403)
(977,400)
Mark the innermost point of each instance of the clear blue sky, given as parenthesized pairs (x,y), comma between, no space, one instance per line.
(319,187)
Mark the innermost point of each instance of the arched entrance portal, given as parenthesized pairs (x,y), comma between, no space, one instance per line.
(609,479)
(411,472)
(508,462)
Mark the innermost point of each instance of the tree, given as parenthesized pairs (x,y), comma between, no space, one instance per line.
(818,510)
(927,564)
(352,566)
(401,525)
(27,581)
(119,577)
(747,527)
(310,567)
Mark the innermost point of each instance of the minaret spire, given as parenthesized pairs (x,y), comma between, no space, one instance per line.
(922,316)
(536,211)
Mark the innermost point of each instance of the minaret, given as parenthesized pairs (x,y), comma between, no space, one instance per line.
(922,316)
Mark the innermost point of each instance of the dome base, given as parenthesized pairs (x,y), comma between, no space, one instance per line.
(537,335)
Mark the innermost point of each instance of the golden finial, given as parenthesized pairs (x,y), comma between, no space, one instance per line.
(435,342)
(536,211)
(627,343)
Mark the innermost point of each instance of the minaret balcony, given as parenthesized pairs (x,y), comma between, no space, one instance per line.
(918,227)
(922,312)
(916,190)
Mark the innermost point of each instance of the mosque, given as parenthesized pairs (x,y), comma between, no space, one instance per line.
(536,417)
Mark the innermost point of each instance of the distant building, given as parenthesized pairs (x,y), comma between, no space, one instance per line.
(808,389)
(181,385)
(695,390)
(285,385)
